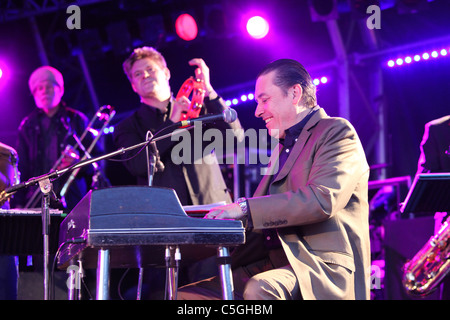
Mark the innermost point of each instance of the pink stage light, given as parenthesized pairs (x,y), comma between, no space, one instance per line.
(257,27)
(186,27)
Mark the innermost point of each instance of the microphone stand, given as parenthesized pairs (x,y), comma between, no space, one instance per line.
(152,160)
(46,187)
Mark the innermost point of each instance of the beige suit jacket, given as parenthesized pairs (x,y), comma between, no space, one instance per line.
(318,203)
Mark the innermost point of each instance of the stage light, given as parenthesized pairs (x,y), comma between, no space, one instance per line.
(244,98)
(411,59)
(323,10)
(257,27)
(186,27)
(4,74)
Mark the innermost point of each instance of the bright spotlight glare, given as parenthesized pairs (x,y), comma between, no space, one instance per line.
(257,27)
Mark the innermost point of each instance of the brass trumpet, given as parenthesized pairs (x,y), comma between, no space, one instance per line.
(105,114)
(430,265)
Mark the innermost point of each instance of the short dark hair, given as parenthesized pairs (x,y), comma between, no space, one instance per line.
(289,73)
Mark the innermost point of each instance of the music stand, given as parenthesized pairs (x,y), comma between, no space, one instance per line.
(430,192)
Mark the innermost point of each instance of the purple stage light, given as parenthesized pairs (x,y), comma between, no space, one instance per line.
(243,98)
(4,74)
(257,27)
(400,61)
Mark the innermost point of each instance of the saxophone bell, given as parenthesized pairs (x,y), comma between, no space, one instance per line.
(423,273)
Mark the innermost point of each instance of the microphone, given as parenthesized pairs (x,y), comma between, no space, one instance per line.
(228,115)
(159,164)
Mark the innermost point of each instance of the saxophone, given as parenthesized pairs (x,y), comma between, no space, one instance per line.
(430,265)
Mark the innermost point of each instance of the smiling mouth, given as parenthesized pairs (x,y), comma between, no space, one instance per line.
(267,120)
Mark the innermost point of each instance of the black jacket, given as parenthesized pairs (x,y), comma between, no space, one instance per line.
(39,148)
(196,181)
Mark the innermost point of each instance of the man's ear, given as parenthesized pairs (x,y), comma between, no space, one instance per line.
(296,93)
(132,86)
(167,72)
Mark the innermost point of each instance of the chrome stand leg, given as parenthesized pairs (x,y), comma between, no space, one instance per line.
(103,275)
(139,288)
(226,276)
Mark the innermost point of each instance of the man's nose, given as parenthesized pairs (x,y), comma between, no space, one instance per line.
(147,73)
(258,111)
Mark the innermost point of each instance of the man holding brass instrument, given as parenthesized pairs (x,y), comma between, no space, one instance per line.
(46,140)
